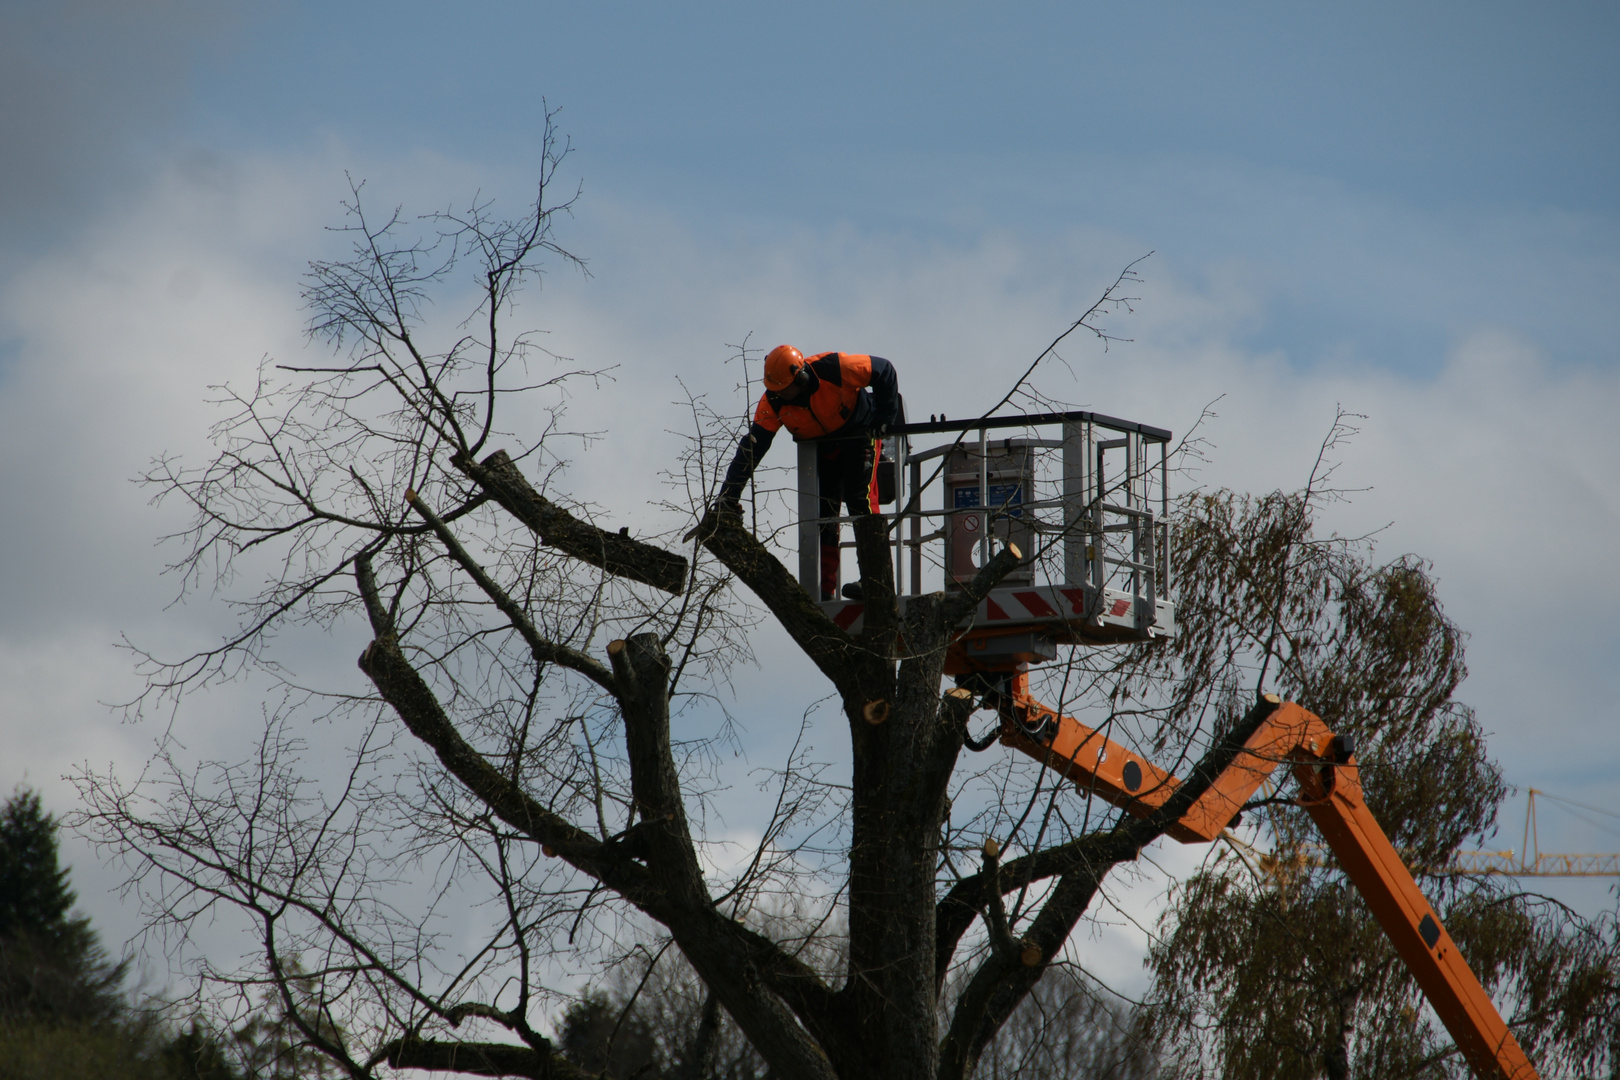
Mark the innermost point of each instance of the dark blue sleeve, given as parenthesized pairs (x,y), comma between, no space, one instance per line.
(750,449)
(885,391)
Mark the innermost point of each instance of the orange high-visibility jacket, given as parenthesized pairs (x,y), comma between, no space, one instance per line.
(835,402)
(837,380)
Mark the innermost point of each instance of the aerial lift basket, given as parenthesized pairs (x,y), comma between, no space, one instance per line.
(1084,494)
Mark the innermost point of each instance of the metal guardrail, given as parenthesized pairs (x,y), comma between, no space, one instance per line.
(1100,522)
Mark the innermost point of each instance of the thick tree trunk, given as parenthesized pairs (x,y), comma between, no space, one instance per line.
(893,859)
(902,766)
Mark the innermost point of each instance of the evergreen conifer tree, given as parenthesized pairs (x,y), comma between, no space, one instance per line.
(52,966)
(34,893)
(61,1010)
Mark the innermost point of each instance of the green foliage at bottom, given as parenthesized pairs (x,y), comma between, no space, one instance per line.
(43,1051)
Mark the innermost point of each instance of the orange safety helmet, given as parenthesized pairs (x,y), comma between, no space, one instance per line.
(782,365)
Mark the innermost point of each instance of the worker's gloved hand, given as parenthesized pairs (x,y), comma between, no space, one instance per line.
(723,506)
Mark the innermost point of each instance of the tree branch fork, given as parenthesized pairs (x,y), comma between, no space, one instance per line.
(792,1016)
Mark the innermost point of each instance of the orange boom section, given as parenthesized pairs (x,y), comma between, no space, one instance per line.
(1330,783)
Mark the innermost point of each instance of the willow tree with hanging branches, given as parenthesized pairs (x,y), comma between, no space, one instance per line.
(1270,965)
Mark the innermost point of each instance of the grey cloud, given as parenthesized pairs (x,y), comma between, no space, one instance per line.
(81,82)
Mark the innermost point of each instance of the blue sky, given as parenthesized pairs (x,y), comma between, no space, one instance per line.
(1434,104)
(1211,133)
(1413,210)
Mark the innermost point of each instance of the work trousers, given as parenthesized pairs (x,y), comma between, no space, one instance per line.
(843,477)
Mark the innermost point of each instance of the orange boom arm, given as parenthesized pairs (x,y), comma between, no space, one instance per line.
(1330,784)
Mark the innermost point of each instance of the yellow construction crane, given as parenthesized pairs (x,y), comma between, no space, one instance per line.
(1531,861)
(1528,861)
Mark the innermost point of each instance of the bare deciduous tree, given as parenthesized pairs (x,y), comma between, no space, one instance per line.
(511,753)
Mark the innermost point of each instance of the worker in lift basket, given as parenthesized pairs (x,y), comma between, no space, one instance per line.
(830,394)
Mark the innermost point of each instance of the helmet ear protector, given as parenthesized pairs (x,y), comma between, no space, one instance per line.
(800,383)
